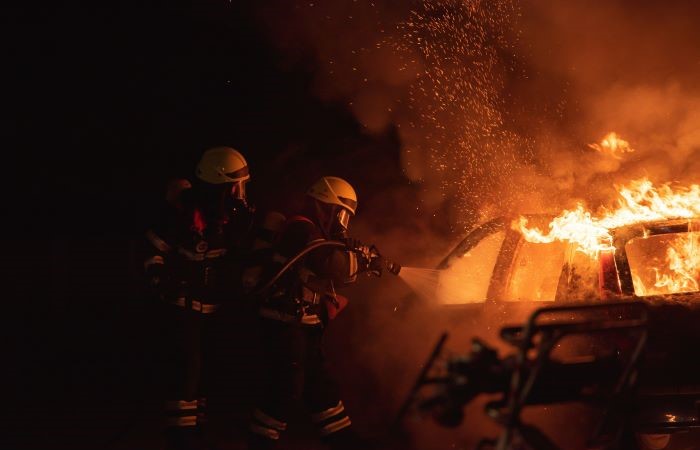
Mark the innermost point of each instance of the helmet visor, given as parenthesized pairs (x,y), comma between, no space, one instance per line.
(344,218)
(350,203)
(240,173)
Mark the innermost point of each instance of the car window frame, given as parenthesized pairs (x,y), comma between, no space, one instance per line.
(504,261)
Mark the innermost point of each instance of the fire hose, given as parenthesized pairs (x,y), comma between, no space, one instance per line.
(373,261)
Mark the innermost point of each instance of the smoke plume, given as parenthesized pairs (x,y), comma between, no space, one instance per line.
(495,102)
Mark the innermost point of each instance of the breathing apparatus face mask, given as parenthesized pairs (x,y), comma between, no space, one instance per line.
(343,217)
(333,220)
(218,200)
(235,196)
(238,190)
(340,221)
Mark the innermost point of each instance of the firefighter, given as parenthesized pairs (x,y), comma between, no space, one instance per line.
(296,309)
(196,244)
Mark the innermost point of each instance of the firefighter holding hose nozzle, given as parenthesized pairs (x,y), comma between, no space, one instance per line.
(312,258)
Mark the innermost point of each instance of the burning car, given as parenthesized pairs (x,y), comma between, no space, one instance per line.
(647,249)
(495,263)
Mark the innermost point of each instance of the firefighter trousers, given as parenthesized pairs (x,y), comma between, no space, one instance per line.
(294,371)
(186,352)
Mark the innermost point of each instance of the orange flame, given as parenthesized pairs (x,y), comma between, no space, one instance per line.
(639,201)
(578,226)
(612,145)
(683,271)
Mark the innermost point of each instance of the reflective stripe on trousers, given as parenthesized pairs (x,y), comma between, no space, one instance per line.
(332,419)
(196,305)
(265,425)
(181,413)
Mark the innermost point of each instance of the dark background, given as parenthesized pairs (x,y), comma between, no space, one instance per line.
(108,102)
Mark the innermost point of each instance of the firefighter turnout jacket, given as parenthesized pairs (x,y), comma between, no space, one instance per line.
(307,292)
(194,261)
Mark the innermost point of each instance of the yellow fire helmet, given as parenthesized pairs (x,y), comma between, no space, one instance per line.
(220,165)
(335,191)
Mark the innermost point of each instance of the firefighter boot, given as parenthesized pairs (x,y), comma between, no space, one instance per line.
(184,438)
(346,439)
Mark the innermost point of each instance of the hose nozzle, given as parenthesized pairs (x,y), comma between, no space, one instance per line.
(393,267)
(378,264)
(374,262)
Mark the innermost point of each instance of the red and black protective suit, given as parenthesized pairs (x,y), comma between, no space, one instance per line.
(293,314)
(193,265)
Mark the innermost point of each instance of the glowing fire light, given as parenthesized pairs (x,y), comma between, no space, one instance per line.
(639,201)
(612,145)
(683,270)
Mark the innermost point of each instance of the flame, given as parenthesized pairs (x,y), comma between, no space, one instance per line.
(612,145)
(639,201)
(578,226)
(682,273)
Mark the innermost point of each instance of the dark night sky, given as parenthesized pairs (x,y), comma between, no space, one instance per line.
(133,95)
